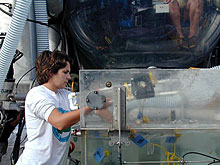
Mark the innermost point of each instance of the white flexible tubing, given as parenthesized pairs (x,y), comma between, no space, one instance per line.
(13,36)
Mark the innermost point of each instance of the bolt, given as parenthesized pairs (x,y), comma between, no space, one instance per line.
(108,84)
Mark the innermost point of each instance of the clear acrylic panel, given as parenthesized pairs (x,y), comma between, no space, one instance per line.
(140,33)
(154,98)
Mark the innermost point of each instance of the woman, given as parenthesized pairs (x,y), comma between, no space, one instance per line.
(47,112)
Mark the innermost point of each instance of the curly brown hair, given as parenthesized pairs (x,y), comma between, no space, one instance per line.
(48,63)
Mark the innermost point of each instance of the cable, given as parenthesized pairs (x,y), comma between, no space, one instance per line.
(169,155)
(17,56)
(32,84)
(23,139)
(8,5)
(9,14)
(214,162)
(38,22)
(41,23)
(23,76)
(16,149)
(198,153)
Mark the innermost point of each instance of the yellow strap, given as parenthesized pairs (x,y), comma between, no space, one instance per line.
(128,90)
(152,78)
(72,86)
(193,68)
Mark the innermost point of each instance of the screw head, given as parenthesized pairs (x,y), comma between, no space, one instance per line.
(108,84)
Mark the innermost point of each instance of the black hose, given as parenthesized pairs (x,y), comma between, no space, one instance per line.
(16,149)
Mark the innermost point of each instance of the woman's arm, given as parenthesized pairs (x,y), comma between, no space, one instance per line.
(64,120)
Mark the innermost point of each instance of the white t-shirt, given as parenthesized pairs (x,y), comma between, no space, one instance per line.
(46,145)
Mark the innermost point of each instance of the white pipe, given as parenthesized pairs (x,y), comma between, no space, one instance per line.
(13,36)
(33,39)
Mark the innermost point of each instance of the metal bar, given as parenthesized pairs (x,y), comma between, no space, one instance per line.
(170,128)
(136,128)
(95,129)
(85,147)
(158,162)
(119,116)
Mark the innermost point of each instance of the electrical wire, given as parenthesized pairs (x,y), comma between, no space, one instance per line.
(214,162)
(16,149)
(9,14)
(23,76)
(32,84)
(8,5)
(38,22)
(198,153)
(169,155)
(17,56)
(41,23)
